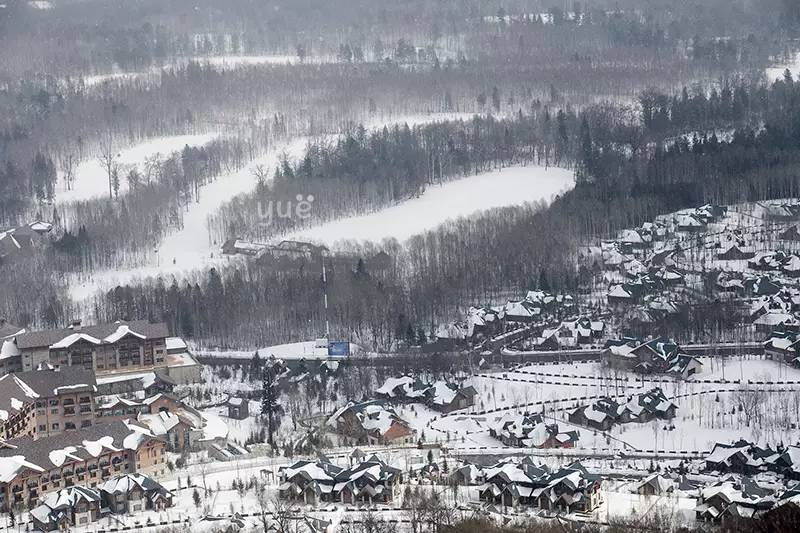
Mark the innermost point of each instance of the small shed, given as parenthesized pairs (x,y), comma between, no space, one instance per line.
(238,408)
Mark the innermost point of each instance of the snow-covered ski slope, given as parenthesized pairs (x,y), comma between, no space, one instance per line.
(451,200)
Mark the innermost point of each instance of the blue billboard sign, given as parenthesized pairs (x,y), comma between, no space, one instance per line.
(339,348)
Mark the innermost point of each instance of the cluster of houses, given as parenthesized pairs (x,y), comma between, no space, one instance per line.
(442,396)
(738,499)
(512,483)
(733,495)
(572,333)
(737,495)
(370,481)
(531,431)
(654,356)
(604,412)
(481,323)
(77,506)
(644,240)
(743,457)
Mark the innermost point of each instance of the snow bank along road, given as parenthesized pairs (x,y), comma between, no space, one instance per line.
(440,203)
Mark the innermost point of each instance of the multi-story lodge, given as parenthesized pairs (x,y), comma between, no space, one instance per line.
(30,468)
(46,402)
(103,348)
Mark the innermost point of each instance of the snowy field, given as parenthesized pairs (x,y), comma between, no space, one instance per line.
(703,420)
(747,367)
(291,350)
(776,72)
(704,416)
(222,63)
(190,247)
(501,188)
(91,180)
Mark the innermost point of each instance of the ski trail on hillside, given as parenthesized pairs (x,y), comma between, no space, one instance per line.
(190,248)
(482,192)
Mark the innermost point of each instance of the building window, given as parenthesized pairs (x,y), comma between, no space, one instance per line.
(55,425)
(69,425)
(86,423)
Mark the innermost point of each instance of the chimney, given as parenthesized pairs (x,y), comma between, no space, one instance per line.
(76,325)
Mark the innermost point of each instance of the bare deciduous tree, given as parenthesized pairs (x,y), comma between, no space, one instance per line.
(108,161)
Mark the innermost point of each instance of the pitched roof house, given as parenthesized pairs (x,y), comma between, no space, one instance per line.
(370,481)
(371,423)
(531,431)
(68,507)
(740,457)
(134,492)
(569,489)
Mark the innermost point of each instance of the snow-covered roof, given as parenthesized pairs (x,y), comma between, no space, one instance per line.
(618,291)
(69,340)
(176,343)
(52,452)
(121,332)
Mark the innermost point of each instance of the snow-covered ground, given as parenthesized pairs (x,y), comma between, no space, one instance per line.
(291,350)
(501,188)
(188,248)
(704,415)
(91,180)
(221,62)
(775,72)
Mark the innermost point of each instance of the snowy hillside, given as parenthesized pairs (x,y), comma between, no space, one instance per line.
(500,188)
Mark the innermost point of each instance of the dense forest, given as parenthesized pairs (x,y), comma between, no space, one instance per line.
(478,260)
(595,88)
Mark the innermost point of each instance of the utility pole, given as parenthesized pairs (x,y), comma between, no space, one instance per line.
(325,297)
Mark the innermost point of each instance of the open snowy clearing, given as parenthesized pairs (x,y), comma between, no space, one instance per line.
(188,248)
(91,180)
(747,367)
(222,63)
(776,72)
(501,188)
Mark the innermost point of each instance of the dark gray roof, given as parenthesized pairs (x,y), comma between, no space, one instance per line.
(10,388)
(48,337)
(16,388)
(8,330)
(45,382)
